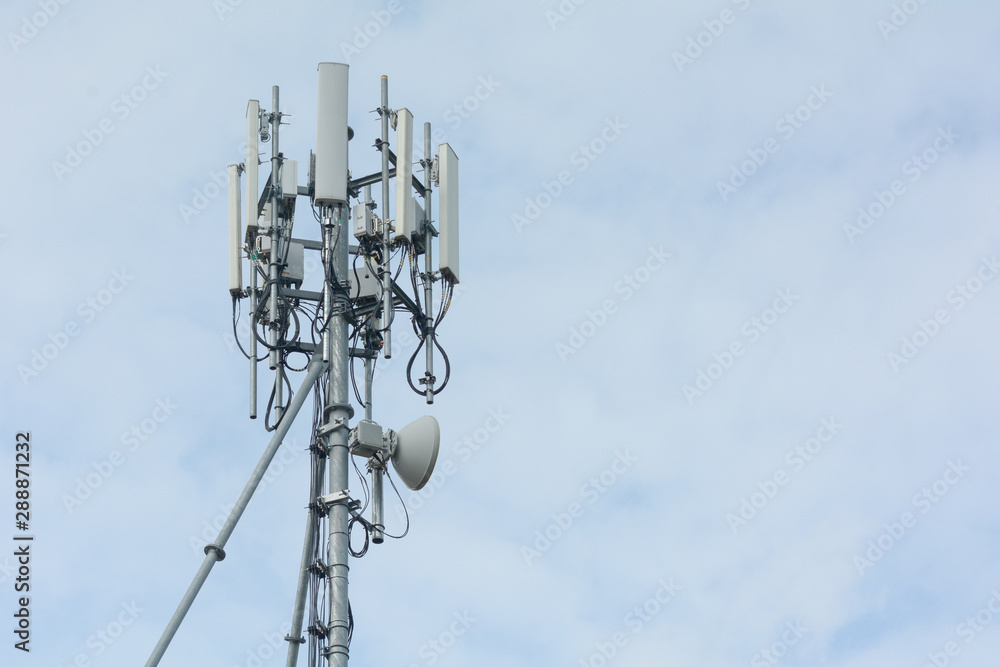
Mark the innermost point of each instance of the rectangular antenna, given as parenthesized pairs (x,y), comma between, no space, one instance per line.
(253,112)
(289,178)
(406,224)
(331,135)
(448,179)
(235,232)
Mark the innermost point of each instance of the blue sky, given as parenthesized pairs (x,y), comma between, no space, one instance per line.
(725,340)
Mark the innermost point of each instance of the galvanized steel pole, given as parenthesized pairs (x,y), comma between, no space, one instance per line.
(337,414)
(214,552)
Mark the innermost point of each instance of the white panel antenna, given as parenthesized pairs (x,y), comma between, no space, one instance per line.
(406,223)
(253,128)
(289,179)
(331,135)
(235,232)
(264,221)
(448,178)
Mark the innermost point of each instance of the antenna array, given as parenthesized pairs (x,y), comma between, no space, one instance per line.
(348,319)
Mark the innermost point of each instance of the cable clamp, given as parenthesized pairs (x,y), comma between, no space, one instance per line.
(318,568)
(320,449)
(319,630)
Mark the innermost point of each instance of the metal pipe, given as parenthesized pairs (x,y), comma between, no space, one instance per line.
(387,273)
(273,267)
(214,552)
(275,254)
(428,271)
(253,337)
(338,413)
(378,502)
(327,287)
(368,387)
(301,591)
(279,393)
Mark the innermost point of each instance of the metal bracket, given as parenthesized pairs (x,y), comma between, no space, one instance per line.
(377,461)
(219,551)
(338,423)
(331,426)
(338,498)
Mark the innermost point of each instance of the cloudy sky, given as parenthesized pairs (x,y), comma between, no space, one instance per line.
(724,355)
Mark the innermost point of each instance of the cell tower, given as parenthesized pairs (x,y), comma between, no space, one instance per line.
(349,318)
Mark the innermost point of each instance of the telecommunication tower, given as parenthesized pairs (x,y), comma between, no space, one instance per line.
(350,318)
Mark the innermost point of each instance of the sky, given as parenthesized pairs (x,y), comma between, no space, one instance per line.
(723,353)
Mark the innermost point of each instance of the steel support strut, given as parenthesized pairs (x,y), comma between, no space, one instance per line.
(214,552)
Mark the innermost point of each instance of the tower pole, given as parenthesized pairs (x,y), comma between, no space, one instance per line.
(337,414)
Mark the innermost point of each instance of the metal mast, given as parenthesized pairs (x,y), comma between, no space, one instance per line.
(338,413)
(352,313)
